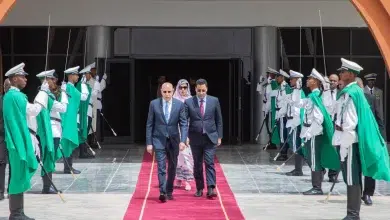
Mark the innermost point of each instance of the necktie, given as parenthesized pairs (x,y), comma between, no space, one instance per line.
(166,111)
(331,92)
(201,107)
(371,91)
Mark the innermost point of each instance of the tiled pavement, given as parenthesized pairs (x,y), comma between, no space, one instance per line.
(106,184)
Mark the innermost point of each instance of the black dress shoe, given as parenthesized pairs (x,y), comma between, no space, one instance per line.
(210,193)
(50,191)
(314,191)
(74,171)
(199,193)
(170,197)
(2,196)
(282,158)
(367,200)
(333,179)
(162,197)
(295,173)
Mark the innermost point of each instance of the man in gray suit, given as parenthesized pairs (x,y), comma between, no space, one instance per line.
(166,116)
(3,150)
(369,183)
(205,134)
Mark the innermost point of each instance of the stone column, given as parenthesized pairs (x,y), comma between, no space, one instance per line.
(265,40)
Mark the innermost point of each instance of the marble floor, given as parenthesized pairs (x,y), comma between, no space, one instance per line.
(105,186)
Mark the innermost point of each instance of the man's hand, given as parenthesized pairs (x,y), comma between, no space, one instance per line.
(45,86)
(97,78)
(182,146)
(219,142)
(149,149)
(63,86)
(105,76)
(188,142)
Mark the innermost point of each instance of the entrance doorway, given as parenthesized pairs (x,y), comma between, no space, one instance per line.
(132,84)
(223,77)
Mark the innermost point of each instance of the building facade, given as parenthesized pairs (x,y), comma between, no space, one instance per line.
(230,43)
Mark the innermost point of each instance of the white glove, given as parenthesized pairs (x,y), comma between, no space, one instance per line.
(326,86)
(105,76)
(97,78)
(269,80)
(45,86)
(343,153)
(63,86)
(299,83)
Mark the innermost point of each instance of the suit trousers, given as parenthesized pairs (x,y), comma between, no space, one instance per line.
(170,152)
(3,165)
(206,149)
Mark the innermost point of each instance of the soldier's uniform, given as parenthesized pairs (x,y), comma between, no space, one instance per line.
(317,133)
(99,119)
(270,107)
(70,126)
(363,151)
(294,122)
(19,141)
(281,113)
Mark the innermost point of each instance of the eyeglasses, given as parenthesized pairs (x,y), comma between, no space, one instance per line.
(167,91)
(201,90)
(183,87)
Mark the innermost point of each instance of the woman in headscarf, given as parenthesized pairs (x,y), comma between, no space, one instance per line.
(184,170)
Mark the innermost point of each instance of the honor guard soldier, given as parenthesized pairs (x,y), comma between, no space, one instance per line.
(269,107)
(363,151)
(70,133)
(19,138)
(317,134)
(83,118)
(93,83)
(294,121)
(45,132)
(281,111)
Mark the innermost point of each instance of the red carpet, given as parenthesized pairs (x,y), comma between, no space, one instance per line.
(145,205)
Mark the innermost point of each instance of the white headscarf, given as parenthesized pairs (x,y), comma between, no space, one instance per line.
(177,94)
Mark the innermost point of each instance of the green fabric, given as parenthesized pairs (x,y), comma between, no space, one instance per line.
(373,151)
(83,115)
(275,139)
(46,136)
(70,138)
(21,154)
(316,153)
(329,156)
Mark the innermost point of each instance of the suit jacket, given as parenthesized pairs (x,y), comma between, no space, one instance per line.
(158,130)
(374,108)
(211,123)
(378,95)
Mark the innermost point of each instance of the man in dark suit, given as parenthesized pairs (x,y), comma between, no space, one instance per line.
(205,134)
(369,183)
(166,116)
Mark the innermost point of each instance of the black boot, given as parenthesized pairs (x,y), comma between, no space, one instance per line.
(353,202)
(298,166)
(316,180)
(47,187)
(2,181)
(67,168)
(16,202)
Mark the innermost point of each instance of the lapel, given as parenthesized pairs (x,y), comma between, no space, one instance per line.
(196,105)
(207,105)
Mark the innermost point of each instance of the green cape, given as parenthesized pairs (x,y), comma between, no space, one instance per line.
(374,157)
(21,154)
(70,139)
(329,156)
(275,139)
(83,114)
(46,136)
(302,151)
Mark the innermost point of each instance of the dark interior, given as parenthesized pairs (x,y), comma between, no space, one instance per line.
(221,76)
